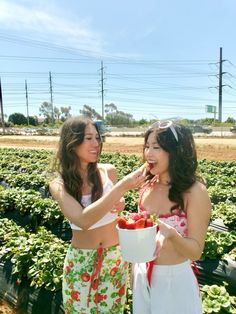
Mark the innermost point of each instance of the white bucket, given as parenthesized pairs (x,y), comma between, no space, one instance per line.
(137,245)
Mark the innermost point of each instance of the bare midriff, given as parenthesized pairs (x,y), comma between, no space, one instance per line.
(169,255)
(104,236)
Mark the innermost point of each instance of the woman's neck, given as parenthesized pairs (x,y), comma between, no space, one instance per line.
(162,179)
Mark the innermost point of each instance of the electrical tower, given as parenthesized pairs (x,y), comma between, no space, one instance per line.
(220,87)
(50,81)
(102,89)
(1,106)
(27,102)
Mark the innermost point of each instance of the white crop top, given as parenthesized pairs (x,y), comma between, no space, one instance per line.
(86,200)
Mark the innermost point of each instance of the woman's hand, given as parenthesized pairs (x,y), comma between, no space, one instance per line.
(119,206)
(135,179)
(165,232)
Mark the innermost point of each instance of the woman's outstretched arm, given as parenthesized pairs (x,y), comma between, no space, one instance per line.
(86,217)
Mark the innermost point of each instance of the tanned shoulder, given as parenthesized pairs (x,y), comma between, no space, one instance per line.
(111,171)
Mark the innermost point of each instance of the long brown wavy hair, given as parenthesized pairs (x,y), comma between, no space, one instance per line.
(182,160)
(67,162)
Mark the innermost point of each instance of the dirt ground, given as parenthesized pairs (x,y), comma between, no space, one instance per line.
(5,308)
(207,148)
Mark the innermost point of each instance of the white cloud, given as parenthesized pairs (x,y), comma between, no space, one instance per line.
(39,23)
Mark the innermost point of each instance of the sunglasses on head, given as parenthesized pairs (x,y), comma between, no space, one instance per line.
(164,125)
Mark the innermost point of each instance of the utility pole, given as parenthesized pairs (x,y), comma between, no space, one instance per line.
(102,89)
(1,106)
(50,81)
(27,102)
(220,87)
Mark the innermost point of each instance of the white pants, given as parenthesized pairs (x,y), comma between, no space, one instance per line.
(174,290)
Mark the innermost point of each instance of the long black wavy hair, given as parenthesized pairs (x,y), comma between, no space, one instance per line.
(67,162)
(182,160)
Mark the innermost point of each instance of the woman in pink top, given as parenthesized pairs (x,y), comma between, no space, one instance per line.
(174,192)
(94,274)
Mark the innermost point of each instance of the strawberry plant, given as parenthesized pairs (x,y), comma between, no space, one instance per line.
(227,212)
(40,211)
(216,299)
(218,243)
(218,194)
(38,257)
(131,201)
(231,255)
(27,181)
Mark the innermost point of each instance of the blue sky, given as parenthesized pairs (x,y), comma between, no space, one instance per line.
(160,58)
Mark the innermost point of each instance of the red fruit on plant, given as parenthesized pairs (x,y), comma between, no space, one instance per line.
(121,221)
(149,223)
(139,224)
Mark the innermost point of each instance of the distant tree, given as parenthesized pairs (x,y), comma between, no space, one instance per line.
(116,117)
(186,121)
(89,112)
(110,108)
(206,121)
(65,113)
(17,118)
(46,110)
(142,122)
(230,120)
(57,113)
(33,120)
(119,119)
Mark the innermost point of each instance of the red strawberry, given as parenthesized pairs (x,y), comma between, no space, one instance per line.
(148,223)
(121,221)
(136,216)
(139,224)
(130,224)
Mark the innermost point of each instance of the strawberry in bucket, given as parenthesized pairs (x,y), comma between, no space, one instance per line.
(137,234)
(136,221)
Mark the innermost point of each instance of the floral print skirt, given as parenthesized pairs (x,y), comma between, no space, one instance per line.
(94,281)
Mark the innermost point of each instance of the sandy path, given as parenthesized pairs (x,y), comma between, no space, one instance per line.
(209,148)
